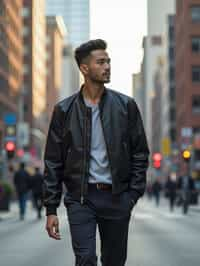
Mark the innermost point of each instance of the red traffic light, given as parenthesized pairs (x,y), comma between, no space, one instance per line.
(157,164)
(157,156)
(10,146)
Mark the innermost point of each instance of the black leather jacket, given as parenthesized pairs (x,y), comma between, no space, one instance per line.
(67,150)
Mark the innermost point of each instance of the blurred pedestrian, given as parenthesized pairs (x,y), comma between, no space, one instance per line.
(185,187)
(97,147)
(22,184)
(170,190)
(36,188)
(149,190)
(156,189)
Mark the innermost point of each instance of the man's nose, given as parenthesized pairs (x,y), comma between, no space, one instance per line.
(107,66)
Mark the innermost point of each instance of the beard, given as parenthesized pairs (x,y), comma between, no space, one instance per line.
(100,79)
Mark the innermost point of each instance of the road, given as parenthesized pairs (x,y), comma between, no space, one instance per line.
(157,238)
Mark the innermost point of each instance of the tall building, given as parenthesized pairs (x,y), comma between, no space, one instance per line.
(34,87)
(157,15)
(152,50)
(138,91)
(11,59)
(76,15)
(171,78)
(157,12)
(55,37)
(188,77)
(70,73)
(144,82)
(157,107)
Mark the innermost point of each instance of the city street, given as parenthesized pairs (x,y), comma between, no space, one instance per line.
(157,238)
(100,96)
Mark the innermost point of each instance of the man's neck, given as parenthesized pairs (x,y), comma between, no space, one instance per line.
(93,93)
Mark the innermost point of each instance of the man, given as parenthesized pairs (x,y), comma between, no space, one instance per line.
(170,190)
(22,182)
(185,187)
(97,147)
(36,186)
(156,188)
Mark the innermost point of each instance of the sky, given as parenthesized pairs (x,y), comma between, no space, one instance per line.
(122,24)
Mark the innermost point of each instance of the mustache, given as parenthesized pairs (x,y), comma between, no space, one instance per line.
(106,73)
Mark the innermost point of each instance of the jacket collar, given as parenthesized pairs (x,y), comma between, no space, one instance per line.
(82,102)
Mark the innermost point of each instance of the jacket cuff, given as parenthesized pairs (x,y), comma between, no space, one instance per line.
(51,210)
(134,195)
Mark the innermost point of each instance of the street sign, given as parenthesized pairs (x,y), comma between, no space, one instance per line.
(10,119)
(186,132)
(166,146)
(186,137)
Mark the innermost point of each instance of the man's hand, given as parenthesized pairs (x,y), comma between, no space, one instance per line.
(52,227)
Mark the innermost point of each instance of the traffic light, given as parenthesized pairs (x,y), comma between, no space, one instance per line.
(10,149)
(157,159)
(186,154)
(10,132)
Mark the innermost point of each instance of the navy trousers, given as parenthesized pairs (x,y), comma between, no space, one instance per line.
(22,199)
(111,214)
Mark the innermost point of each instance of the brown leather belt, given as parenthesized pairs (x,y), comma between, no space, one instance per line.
(101,186)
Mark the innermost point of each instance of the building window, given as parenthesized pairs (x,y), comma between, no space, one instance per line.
(196,44)
(25,108)
(195,13)
(171,53)
(196,130)
(26,50)
(197,154)
(48,39)
(196,104)
(171,74)
(172,94)
(156,40)
(25,69)
(25,31)
(2,10)
(171,33)
(173,134)
(172,114)
(25,12)
(196,73)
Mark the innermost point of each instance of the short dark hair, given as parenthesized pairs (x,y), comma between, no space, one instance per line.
(85,49)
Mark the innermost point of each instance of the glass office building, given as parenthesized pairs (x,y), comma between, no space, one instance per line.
(76,15)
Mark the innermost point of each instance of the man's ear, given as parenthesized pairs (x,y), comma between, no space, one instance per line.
(84,69)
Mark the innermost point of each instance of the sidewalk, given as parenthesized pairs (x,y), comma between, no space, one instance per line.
(164,204)
(10,214)
(14,211)
(195,208)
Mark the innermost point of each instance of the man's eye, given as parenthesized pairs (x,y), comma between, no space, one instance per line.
(103,62)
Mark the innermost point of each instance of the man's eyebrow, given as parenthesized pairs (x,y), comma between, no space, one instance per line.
(104,59)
